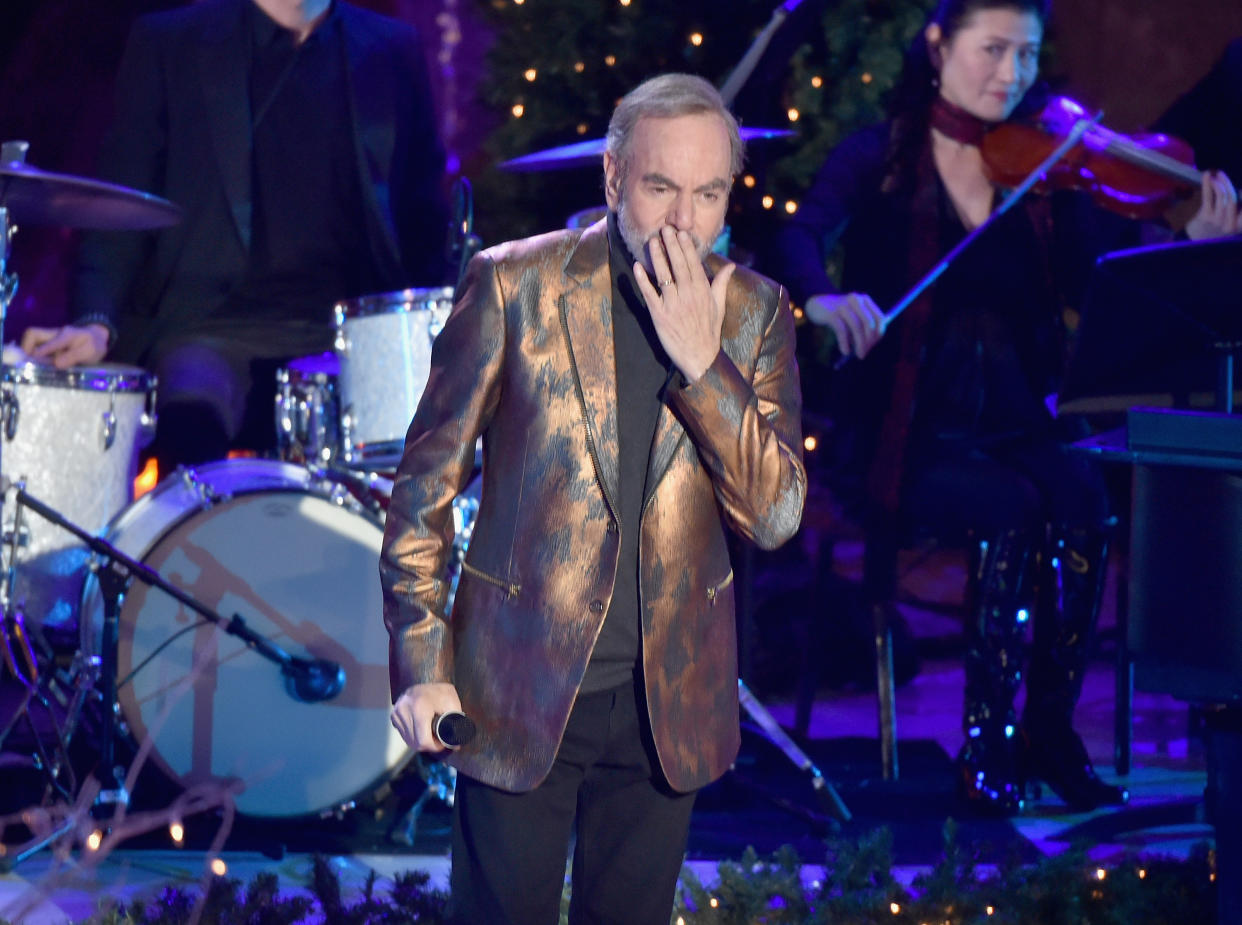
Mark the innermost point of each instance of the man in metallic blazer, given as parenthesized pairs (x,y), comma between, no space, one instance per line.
(634,394)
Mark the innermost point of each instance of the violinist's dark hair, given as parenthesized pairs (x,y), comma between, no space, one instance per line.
(910,103)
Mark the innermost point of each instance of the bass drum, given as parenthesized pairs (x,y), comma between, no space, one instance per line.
(295,553)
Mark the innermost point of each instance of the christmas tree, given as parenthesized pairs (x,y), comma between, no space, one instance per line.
(557,68)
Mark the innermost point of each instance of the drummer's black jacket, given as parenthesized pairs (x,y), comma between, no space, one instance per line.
(184,129)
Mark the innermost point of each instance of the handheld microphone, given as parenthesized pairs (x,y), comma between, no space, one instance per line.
(312,680)
(454,729)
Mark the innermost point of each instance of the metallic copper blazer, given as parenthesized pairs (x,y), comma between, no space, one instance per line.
(526,360)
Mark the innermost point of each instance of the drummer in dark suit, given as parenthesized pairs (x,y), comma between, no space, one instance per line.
(299,136)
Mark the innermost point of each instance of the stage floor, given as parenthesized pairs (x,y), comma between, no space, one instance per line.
(766,802)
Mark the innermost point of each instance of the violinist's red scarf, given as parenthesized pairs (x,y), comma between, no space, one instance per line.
(887,472)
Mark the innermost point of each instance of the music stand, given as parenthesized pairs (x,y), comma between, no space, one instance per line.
(1160,326)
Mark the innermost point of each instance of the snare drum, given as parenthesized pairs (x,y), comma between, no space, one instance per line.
(295,553)
(384,343)
(307,410)
(73,436)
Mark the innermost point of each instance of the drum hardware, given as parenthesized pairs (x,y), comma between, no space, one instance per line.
(49,745)
(462,242)
(204,493)
(347,486)
(10,410)
(109,424)
(307,410)
(441,785)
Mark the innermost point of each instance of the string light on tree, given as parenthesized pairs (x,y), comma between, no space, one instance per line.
(518,110)
(793,114)
(176,831)
(768,202)
(530,74)
(696,39)
(817,82)
(610,60)
(218,867)
(866,77)
(94,840)
(748,181)
(790,206)
(579,67)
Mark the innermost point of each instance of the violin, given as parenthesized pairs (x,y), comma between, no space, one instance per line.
(1137,176)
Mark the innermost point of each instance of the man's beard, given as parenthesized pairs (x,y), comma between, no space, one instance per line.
(639,245)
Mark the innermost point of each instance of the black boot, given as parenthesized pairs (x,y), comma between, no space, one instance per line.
(988,766)
(1071,585)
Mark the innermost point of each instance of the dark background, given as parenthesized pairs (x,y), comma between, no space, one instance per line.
(57,58)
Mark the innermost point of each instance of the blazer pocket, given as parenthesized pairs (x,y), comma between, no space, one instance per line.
(510,588)
(714,590)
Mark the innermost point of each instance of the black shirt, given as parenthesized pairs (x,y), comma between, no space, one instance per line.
(308,233)
(642,373)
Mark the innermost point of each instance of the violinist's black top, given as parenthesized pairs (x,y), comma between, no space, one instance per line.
(994,341)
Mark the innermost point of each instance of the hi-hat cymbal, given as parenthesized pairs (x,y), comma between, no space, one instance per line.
(37,197)
(584,153)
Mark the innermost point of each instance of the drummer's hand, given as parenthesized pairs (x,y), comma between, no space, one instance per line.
(1218,214)
(855,319)
(415,709)
(67,346)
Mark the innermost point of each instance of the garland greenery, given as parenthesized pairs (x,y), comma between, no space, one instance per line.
(857,887)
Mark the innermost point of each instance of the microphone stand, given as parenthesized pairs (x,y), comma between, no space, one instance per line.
(116,572)
(741,73)
(825,793)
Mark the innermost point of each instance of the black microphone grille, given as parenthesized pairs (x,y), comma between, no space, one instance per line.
(454,729)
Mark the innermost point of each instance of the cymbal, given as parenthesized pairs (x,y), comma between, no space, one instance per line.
(37,197)
(584,153)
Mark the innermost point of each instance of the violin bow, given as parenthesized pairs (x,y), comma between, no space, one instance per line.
(1081,127)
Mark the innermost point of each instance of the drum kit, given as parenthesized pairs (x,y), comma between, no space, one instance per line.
(173,616)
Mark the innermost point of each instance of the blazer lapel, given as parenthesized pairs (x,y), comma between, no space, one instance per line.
(668,436)
(226,94)
(586,313)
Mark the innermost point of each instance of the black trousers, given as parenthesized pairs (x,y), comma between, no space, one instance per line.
(510,849)
(217,387)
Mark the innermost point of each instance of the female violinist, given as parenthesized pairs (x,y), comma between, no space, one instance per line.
(945,420)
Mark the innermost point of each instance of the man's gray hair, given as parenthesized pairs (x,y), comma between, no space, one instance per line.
(666,97)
